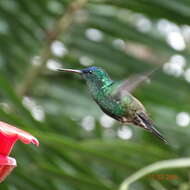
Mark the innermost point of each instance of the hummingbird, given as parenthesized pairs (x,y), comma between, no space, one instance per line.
(116,100)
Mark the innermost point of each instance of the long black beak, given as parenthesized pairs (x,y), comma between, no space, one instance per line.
(70,70)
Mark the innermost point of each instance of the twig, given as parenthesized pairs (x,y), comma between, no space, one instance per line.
(61,26)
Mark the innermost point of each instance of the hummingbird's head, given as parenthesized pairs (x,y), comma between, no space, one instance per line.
(93,75)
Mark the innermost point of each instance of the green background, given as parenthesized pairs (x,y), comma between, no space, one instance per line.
(80,148)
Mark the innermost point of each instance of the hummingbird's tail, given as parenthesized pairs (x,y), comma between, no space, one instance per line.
(147,124)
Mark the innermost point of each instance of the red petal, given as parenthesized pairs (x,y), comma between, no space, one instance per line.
(10,134)
(7,143)
(10,130)
(7,164)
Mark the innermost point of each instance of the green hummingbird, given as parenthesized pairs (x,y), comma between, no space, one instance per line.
(115,99)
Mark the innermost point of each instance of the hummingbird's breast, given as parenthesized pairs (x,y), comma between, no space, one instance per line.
(108,104)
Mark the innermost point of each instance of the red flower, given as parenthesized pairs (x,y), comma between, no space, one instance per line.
(8,137)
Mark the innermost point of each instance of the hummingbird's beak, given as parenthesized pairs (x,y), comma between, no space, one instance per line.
(71,70)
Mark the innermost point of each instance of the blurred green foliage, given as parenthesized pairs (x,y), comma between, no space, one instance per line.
(77,150)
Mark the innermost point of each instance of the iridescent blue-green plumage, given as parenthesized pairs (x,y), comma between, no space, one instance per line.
(115,99)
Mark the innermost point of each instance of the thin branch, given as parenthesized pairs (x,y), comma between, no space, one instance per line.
(61,26)
(168,164)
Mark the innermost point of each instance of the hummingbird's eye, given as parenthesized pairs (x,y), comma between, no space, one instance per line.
(87,71)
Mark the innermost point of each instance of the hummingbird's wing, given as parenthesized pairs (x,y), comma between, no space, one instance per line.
(133,82)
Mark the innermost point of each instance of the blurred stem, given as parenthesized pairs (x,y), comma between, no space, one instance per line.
(168,164)
(60,26)
(157,185)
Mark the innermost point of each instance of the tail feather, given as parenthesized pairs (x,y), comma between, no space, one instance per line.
(150,126)
(154,131)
